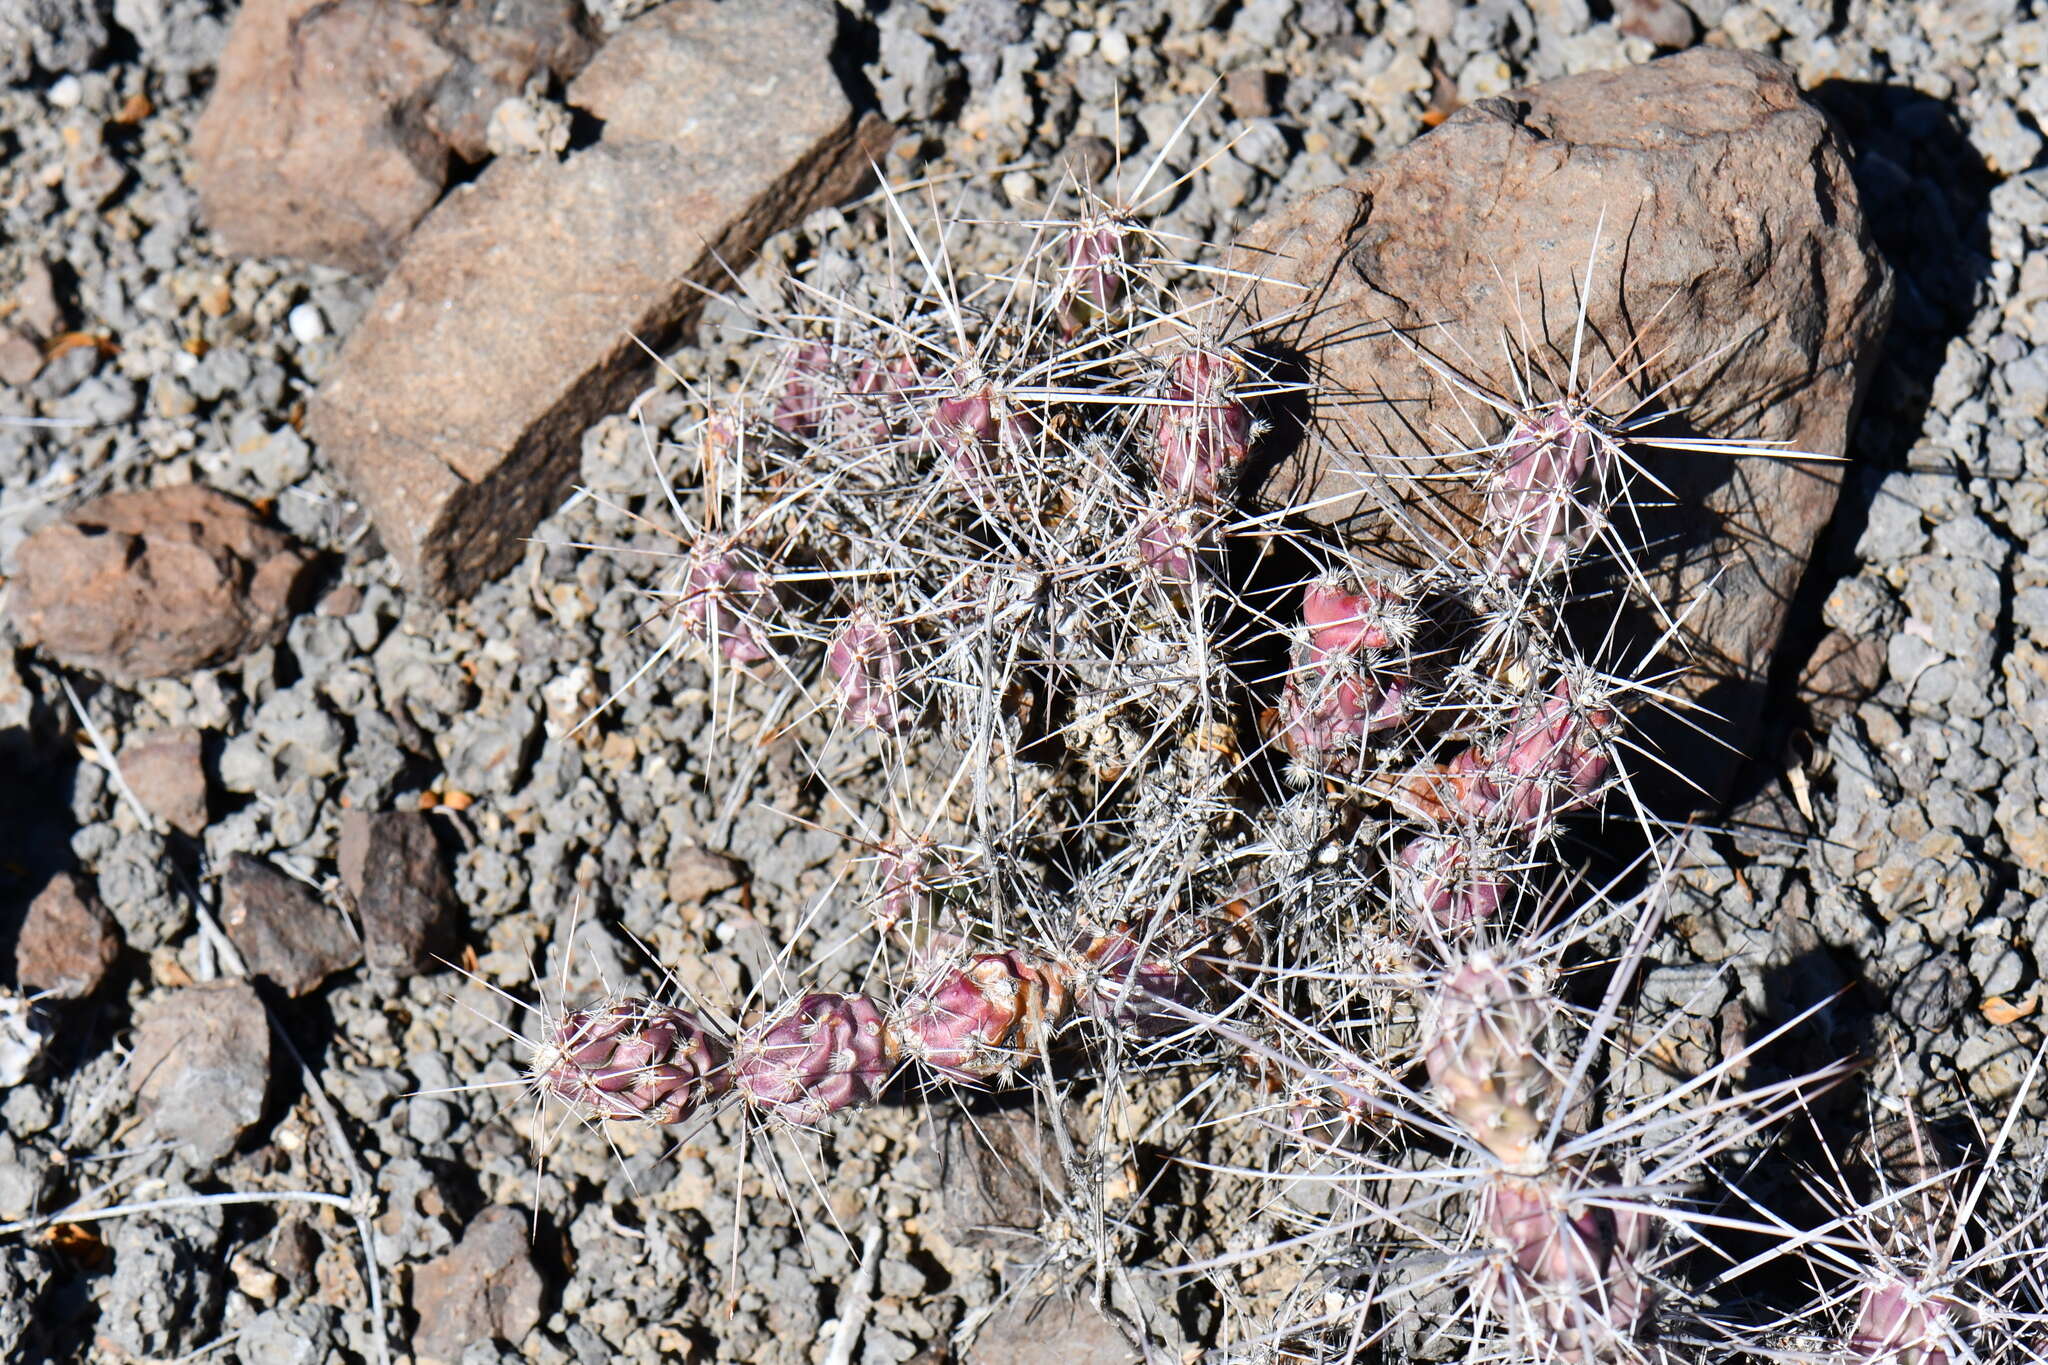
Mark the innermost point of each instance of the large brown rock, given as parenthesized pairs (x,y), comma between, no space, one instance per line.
(334,124)
(1734,281)
(456,408)
(155,583)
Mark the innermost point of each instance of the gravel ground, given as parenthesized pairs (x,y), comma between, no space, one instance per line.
(1897,844)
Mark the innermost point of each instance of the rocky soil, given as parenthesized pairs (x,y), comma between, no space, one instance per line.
(264,785)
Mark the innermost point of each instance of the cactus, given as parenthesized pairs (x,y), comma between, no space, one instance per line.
(822,1053)
(1044,594)
(632,1058)
(1484,1050)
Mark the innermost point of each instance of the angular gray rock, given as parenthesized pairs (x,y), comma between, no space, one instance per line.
(1732,255)
(456,409)
(200,1067)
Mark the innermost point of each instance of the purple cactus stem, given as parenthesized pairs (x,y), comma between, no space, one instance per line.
(1330,706)
(905,867)
(632,1058)
(1900,1324)
(1091,279)
(1554,758)
(728,599)
(1346,623)
(1124,980)
(979,1019)
(806,395)
(1204,432)
(1570,1278)
(1169,547)
(1452,881)
(976,425)
(1482,1046)
(866,661)
(1543,500)
(824,1053)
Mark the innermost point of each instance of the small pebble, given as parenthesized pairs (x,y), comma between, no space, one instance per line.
(307,322)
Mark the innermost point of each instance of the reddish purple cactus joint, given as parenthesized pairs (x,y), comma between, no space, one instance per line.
(1340,691)
(1545,501)
(980,1019)
(866,661)
(728,600)
(1570,1277)
(634,1059)
(824,1053)
(1901,1324)
(1204,431)
(1091,277)
(980,429)
(1483,1048)
(1452,881)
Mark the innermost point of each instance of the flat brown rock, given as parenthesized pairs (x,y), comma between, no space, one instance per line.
(156,583)
(334,124)
(68,941)
(456,407)
(1733,266)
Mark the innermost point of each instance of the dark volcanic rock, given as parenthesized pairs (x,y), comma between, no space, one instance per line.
(281,927)
(456,409)
(391,863)
(151,584)
(1733,266)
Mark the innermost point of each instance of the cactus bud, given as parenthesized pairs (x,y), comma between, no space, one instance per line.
(1452,881)
(1091,278)
(728,600)
(822,1054)
(1570,1279)
(632,1058)
(865,660)
(1899,1324)
(1482,1047)
(1203,433)
(977,1020)
(806,394)
(1544,499)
